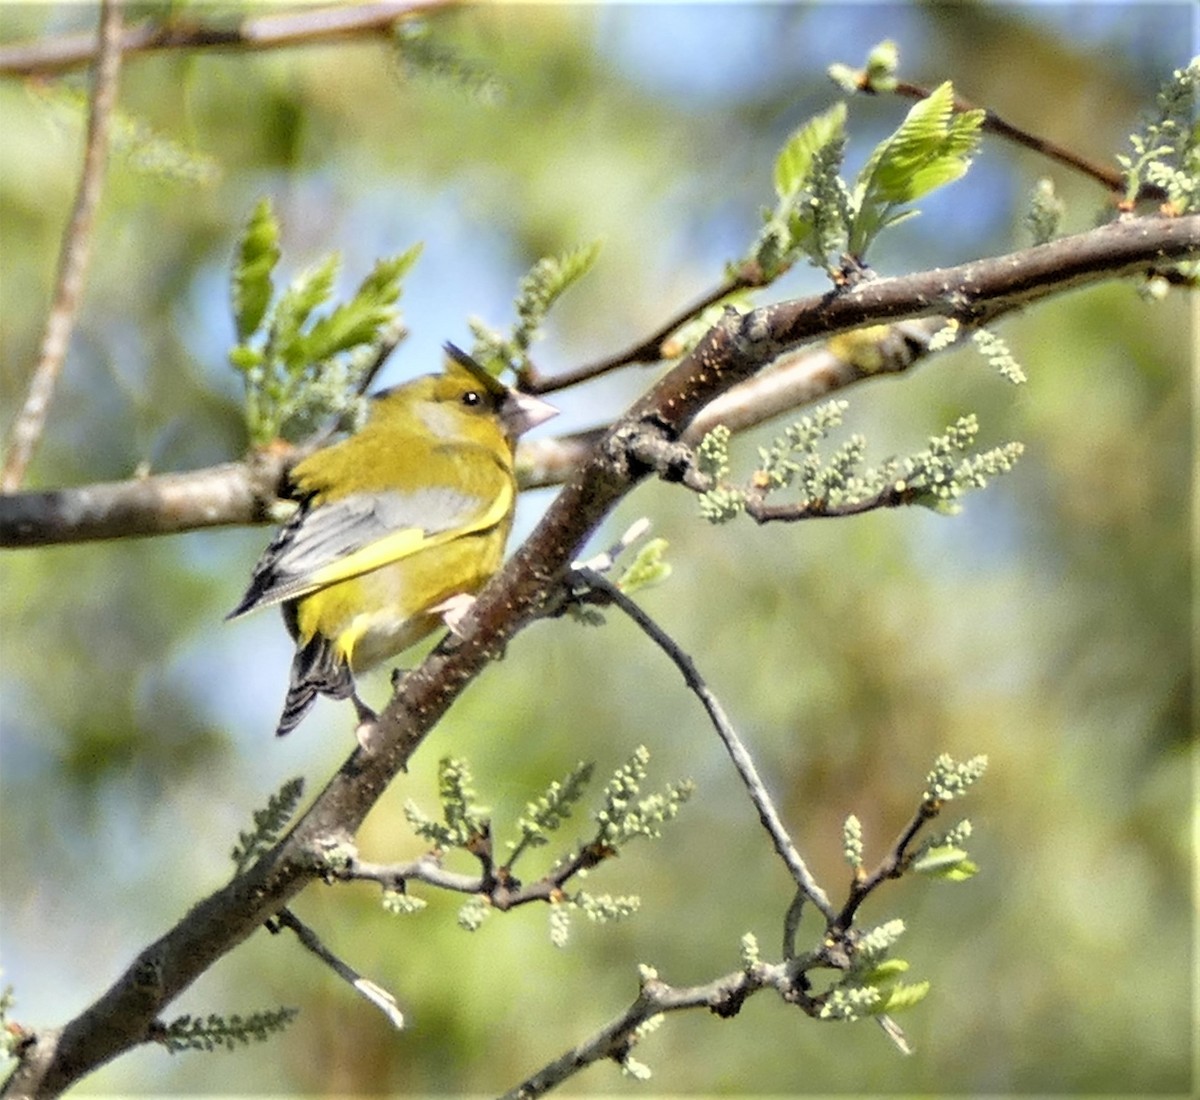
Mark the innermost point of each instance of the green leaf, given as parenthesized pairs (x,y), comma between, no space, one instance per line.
(886,971)
(545,283)
(554,807)
(269,823)
(245,358)
(384,281)
(796,157)
(359,320)
(930,148)
(945,862)
(574,265)
(960,873)
(258,253)
(306,292)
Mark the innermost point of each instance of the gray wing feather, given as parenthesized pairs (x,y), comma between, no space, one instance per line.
(319,536)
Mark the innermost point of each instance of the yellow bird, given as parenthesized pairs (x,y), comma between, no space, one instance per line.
(398,526)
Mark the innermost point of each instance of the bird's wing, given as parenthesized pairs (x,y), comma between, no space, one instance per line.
(331,542)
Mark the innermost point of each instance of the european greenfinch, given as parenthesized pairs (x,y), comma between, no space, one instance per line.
(398,526)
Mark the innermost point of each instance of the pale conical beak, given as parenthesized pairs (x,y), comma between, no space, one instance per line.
(522,411)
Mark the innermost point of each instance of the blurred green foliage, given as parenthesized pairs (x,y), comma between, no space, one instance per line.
(1047,626)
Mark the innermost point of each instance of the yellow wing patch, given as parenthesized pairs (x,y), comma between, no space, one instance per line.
(405,542)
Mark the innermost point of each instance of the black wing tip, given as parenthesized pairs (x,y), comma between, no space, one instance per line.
(317,669)
(248,602)
(298,703)
(238,611)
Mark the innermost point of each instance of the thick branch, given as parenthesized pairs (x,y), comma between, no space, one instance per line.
(974,293)
(122,1017)
(163,504)
(264,32)
(981,291)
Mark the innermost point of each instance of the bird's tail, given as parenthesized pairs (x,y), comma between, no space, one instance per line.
(318,669)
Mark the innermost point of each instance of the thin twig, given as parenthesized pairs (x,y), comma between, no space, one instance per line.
(791,924)
(390,341)
(723,996)
(73,260)
(364,987)
(818,508)
(498,885)
(733,744)
(648,350)
(892,865)
(1109,178)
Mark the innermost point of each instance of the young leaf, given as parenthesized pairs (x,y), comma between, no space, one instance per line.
(258,253)
(945,862)
(796,157)
(930,148)
(357,321)
(545,283)
(902,996)
(269,823)
(650,567)
(307,291)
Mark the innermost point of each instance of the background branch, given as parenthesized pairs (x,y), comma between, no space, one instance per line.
(649,349)
(161,504)
(262,32)
(74,256)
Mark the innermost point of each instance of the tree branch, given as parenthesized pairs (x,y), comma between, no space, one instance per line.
(973,293)
(723,996)
(161,504)
(364,987)
(977,292)
(648,350)
(76,252)
(742,760)
(892,865)
(310,26)
(736,348)
(1109,178)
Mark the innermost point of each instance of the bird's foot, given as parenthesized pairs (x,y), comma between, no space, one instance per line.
(453,610)
(368,724)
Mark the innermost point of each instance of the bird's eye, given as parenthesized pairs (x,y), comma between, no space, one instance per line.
(472,398)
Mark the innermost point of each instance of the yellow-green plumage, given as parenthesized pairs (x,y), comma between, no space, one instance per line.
(412,511)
